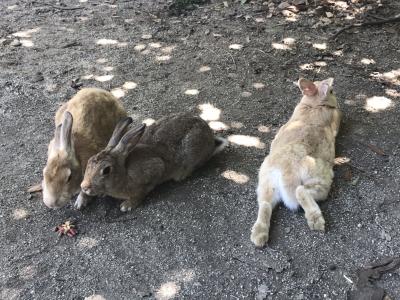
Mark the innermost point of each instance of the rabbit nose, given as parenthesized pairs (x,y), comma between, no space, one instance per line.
(85,186)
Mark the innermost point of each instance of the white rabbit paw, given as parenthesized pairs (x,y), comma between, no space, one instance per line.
(81,202)
(259,234)
(126,206)
(316,221)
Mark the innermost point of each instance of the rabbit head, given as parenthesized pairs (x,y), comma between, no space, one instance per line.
(318,93)
(108,166)
(62,173)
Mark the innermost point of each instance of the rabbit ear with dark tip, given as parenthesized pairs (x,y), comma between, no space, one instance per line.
(119,131)
(129,140)
(66,131)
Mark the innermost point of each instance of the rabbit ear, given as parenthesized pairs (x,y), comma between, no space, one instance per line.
(324,87)
(130,139)
(307,87)
(118,131)
(66,130)
(57,134)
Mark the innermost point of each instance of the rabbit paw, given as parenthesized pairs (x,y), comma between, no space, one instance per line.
(259,234)
(126,206)
(316,221)
(81,201)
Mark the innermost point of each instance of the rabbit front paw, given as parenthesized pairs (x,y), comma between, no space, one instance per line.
(316,221)
(259,234)
(81,201)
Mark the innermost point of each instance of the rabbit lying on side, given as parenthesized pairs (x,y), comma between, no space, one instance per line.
(133,164)
(298,169)
(83,126)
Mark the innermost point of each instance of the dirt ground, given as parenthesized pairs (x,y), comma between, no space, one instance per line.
(236,64)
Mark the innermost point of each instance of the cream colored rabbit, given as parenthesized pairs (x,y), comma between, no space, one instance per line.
(83,127)
(298,169)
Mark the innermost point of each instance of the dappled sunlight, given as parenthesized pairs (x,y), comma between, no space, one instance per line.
(218,125)
(236,46)
(162,58)
(118,92)
(291,15)
(108,68)
(148,121)
(209,112)
(391,76)
(320,46)
(140,47)
(184,275)
(237,125)
(314,65)
(339,5)
(338,53)
(129,85)
(258,85)
(167,291)
(155,45)
(20,213)
(26,43)
(11,7)
(123,44)
(168,49)
(392,93)
(26,33)
(28,272)
(103,78)
(289,41)
(378,103)
(263,129)
(203,69)
(367,61)
(87,77)
(104,42)
(192,92)
(245,94)
(87,243)
(235,176)
(246,140)
(95,297)
(102,60)
(279,46)
(147,36)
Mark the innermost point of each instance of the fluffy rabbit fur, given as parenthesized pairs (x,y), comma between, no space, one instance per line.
(83,126)
(131,166)
(298,169)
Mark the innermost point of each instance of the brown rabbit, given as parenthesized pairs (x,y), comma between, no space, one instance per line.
(298,169)
(131,166)
(83,126)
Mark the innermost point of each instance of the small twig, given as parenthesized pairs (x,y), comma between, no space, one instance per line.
(371,23)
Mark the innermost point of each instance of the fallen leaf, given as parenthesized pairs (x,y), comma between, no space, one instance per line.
(376,149)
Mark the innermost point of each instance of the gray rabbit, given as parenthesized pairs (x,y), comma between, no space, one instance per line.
(134,163)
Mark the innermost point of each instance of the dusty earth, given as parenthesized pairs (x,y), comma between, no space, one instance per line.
(191,240)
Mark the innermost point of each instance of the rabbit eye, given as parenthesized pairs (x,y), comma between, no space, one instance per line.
(106,171)
(331,92)
(69,178)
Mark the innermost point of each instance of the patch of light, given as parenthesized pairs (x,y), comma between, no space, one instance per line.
(129,85)
(258,85)
(246,140)
(104,42)
(118,92)
(87,77)
(306,67)
(340,5)
(123,44)
(279,46)
(20,213)
(320,63)
(192,92)
(376,103)
(147,36)
(155,45)
(289,41)
(263,129)
(320,46)
(11,7)
(104,78)
(87,243)
(236,176)
(209,112)
(148,121)
(95,297)
(102,60)
(108,68)
(245,94)
(237,125)
(168,49)
(236,46)
(204,69)
(26,43)
(167,291)
(139,47)
(26,33)
(367,61)
(391,76)
(218,126)
(338,53)
(163,58)
(392,93)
